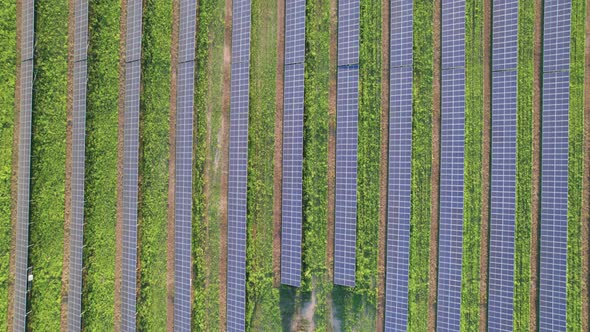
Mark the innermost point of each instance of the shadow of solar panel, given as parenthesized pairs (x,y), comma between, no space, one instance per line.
(292,210)
(451,199)
(346,176)
(348,32)
(554,193)
(23,195)
(398,198)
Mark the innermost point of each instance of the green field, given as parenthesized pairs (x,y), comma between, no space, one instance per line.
(48,164)
(7,120)
(101,164)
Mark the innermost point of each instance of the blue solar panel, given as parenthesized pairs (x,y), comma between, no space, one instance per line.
(348,32)
(294,32)
(27,25)
(346,175)
(556,35)
(184,167)
(292,176)
(505,31)
(78,167)
(399,197)
(451,199)
(241,31)
(401,46)
(453,34)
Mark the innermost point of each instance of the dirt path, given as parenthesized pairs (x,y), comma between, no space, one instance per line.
(224,164)
(14,175)
(120,155)
(435,175)
(586,178)
(278,158)
(536,174)
(172,171)
(383,171)
(332,136)
(485,162)
(68,193)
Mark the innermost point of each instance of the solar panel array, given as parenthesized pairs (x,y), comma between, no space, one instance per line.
(554,165)
(503,178)
(292,211)
(184,161)
(238,167)
(130,165)
(78,157)
(19,318)
(450,245)
(346,142)
(400,165)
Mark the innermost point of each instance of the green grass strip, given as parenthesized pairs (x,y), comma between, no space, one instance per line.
(473,165)
(315,158)
(48,164)
(576,162)
(101,164)
(357,306)
(262,300)
(7,114)
(207,218)
(153,168)
(524,155)
(421,166)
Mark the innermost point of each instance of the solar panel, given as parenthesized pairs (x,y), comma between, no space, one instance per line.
(346,175)
(503,177)
(348,32)
(23,199)
(241,31)
(556,35)
(27,29)
(401,41)
(451,199)
(78,167)
(294,32)
(184,166)
(130,165)
(292,176)
(453,34)
(502,201)
(399,193)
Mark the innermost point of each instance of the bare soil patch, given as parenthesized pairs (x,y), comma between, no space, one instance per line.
(586,178)
(14,175)
(120,156)
(485,163)
(278,152)
(435,175)
(172,171)
(224,164)
(383,164)
(536,174)
(332,135)
(68,192)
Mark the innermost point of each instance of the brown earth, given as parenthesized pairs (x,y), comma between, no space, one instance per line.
(172,171)
(278,152)
(224,164)
(68,184)
(383,170)
(536,174)
(485,162)
(332,136)
(435,175)
(586,178)
(14,175)
(120,154)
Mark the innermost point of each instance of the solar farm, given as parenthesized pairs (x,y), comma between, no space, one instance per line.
(297,165)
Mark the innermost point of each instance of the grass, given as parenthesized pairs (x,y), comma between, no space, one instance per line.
(576,162)
(422,103)
(207,214)
(262,300)
(98,298)
(48,164)
(7,116)
(473,166)
(357,306)
(524,160)
(153,168)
